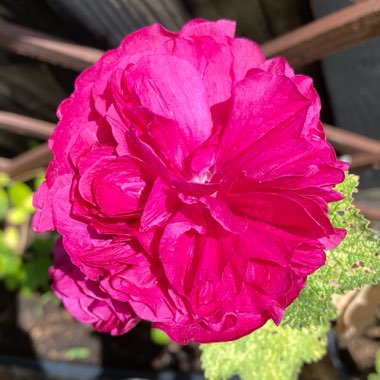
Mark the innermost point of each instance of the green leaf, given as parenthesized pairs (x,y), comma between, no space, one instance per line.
(377,361)
(17,216)
(269,353)
(11,270)
(11,237)
(9,260)
(3,203)
(38,181)
(159,337)
(4,179)
(36,273)
(353,264)
(76,353)
(20,195)
(44,244)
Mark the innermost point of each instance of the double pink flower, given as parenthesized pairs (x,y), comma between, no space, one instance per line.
(190,183)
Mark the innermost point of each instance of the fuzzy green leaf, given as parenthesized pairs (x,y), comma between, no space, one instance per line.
(21,195)
(159,337)
(269,353)
(4,179)
(3,203)
(17,216)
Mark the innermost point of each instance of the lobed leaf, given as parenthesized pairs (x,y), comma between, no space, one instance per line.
(269,353)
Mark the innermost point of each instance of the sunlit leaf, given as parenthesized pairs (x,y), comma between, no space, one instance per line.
(20,195)
(4,179)
(39,180)
(159,337)
(11,237)
(36,272)
(3,203)
(269,353)
(17,216)
(76,353)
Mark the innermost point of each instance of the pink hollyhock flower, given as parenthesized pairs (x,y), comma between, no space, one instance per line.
(190,183)
(86,300)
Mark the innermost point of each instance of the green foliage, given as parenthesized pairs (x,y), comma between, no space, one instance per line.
(21,196)
(4,179)
(17,216)
(76,353)
(23,261)
(10,266)
(36,273)
(159,337)
(11,237)
(376,376)
(39,180)
(279,352)
(269,353)
(3,203)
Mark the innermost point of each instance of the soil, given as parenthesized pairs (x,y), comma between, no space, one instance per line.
(34,327)
(38,327)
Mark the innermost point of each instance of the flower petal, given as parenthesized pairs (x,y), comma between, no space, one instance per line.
(218,30)
(182,98)
(259,103)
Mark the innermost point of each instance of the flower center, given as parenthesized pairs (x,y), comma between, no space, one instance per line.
(203,177)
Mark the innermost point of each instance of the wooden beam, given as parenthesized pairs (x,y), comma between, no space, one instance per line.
(24,125)
(362,160)
(351,141)
(29,160)
(5,164)
(337,31)
(46,48)
(369,212)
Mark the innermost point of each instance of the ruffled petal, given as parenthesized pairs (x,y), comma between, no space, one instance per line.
(217,30)
(259,103)
(182,98)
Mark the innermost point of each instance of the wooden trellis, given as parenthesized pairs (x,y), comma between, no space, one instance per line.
(316,40)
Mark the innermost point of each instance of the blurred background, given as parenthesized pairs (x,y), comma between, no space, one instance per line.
(36,73)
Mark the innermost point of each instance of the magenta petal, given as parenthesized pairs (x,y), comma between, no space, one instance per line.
(274,280)
(85,300)
(182,98)
(159,206)
(146,40)
(156,166)
(217,30)
(166,137)
(292,213)
(206,331)
(43,202)
(259,91)
(221,212)
(212,60)
(307,259)
(246,55)
(119,186)
(43,218)
(176,252)
(278,66)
